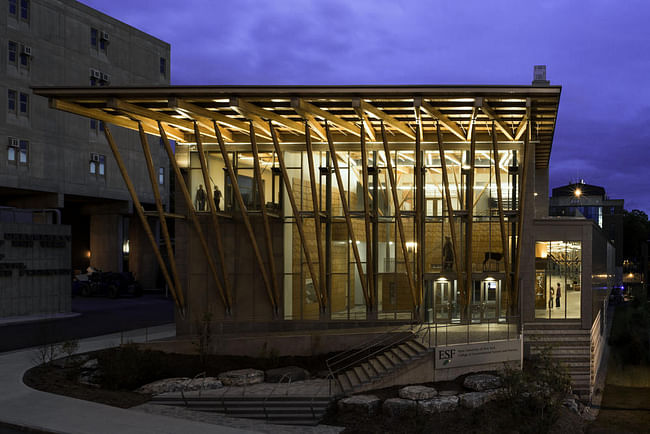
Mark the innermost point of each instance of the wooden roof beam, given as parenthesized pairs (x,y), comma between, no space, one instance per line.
(257,114)
(367,124)
(444,120)
(381,115)
(236,124)
(315,126)
(417,113)
(301,104)
(489,111)
(121,105)
(524,121)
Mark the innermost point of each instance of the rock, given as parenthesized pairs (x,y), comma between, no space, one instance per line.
(286,375)
(366,405)
(438,405)
(89,378)
(417,393)
(447,393)
(90,365)
(481,382)
(178,384)
(477,399)
(241,377)
(397,407)
(572,405)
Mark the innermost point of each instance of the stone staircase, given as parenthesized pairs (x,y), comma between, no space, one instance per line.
(357,371)
(570,345)
(284,410)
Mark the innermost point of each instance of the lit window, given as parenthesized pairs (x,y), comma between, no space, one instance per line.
(13,8)
(161,175)
(163,66)
(24,10)
(11,100)
(24,103)
(12,150)
(23,152)
(93,37)
(12,50)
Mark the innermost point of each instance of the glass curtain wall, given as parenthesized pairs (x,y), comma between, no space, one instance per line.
(486,298)
(558,279)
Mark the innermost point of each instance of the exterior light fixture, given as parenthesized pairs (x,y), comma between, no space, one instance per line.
(577,192)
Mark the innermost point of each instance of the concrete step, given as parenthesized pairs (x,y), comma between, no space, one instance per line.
(361,375)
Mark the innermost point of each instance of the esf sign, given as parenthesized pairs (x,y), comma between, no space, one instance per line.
(477,354)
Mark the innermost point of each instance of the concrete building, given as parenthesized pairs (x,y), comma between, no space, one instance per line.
(61,161)
(341,216)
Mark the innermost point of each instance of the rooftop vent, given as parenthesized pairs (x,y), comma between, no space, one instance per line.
(539,77)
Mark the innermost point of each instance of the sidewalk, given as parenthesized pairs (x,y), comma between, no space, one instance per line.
(45,412)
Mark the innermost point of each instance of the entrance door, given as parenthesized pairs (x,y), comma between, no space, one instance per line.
(491,295)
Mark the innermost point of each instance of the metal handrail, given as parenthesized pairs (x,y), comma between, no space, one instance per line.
(355,357)
(189,381)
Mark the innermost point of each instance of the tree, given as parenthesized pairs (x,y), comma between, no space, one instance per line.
(636,231)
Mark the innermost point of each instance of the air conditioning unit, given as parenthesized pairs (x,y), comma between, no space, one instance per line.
(104,36)
(27,51)
(13,142)
(94,157)
(106,77)
(95,74)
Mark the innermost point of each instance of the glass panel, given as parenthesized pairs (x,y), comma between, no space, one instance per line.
(558,271)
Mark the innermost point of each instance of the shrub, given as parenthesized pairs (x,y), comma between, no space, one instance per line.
(128,367)
(536,393)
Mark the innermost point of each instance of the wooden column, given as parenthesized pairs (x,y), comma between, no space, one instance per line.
(178,299)
(214,218)
(317,218)
(296,212)
(470,221)
(398,218)
(348,220)
(419,213)
(522,201)
(366,216)
(192,215)
(177,291)
(450,210)
(245,218)
(265,217)
(502,222)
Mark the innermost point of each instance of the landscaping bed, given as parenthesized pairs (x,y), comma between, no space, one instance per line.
(126,368)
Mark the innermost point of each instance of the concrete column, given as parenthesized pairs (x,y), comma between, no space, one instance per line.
(142,261)
(106,242)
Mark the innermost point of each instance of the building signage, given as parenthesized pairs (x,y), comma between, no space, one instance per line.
(454,356)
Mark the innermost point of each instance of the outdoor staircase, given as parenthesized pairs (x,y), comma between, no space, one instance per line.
(357,369)
(285,410)
(569,344)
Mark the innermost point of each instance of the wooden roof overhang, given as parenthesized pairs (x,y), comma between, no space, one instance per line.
(400,108)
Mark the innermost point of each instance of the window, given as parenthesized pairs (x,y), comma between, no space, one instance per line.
(24,103)
(161,175)
(24,10)
(12,52)
(23,152)
(163,66)
(558,279)
(102,44)
(24,57)
(93,37)
(11,100)
(13,8)
(12,150)
(96,125)
(97,164)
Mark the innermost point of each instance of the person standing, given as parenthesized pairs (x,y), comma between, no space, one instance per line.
(217,197)
(558,295)
(199,198)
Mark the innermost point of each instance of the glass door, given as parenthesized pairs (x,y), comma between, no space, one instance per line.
(491,296)
(444,301)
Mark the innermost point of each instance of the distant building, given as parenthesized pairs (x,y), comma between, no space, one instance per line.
(61,161)
(591,201)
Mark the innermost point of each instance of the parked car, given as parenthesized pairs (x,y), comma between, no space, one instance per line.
(110,284)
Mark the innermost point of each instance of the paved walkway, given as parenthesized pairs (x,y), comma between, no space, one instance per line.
(45,412)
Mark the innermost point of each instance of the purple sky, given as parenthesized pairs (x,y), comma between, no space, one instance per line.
(597,50)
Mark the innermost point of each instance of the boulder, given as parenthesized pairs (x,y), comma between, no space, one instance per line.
(438,405)
(447,393)
(572,405)
(481,382)
(398,407)
(477,399)
(417,393)
(178,384)
(90,365)
(286,375)
(363,405)
(241,377)
(89,378)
